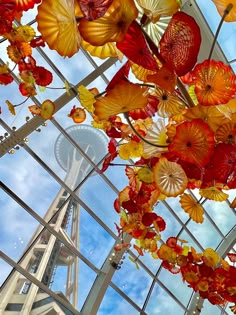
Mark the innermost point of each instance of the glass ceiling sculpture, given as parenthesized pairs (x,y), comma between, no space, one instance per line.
(131,69)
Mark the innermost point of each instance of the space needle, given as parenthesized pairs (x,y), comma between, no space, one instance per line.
(78,151)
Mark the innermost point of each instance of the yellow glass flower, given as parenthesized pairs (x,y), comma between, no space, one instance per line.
(145,174)
(192,207)
(131,149)
(67,87)
(210,257)
(124,97)
(47,109)
(87,98)
(213,193)
(24,33)
(105,51)
(11,107)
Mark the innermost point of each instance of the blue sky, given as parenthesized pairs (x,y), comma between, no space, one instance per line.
(35,187)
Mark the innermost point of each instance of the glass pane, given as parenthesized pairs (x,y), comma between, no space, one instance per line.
(114,304)
(135,283)
(160,302)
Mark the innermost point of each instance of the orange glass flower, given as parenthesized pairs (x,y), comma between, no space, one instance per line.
(111,27)
(226,133)
(124,97)
(58,26)
(77,114)
(194,142)
(165,78)
(221,6)
(18,51)
(169,177)
(192,207)
(215,82)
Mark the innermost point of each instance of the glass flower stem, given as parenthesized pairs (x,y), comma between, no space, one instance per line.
(16,105)
(124,164)
(139,136)
(226,12)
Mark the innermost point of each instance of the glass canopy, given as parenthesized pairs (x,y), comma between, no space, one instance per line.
(31,179)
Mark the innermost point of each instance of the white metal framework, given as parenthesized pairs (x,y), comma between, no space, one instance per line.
(90,278)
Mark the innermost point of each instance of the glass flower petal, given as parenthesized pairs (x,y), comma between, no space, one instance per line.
(102,52)
(156,134)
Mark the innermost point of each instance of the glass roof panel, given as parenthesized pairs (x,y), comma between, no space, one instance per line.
(33,174)
(115,304)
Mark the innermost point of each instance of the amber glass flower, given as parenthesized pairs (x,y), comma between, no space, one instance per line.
(111,27)
(192,207)
(221,6)
(122,98)
(169,177)
(58,26)
(215,82)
